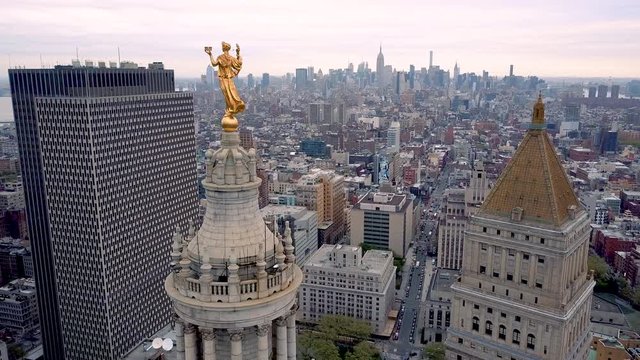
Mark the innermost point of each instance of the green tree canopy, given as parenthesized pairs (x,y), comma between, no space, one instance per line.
(314,346)
(363,351)
(434,351)
(334,326)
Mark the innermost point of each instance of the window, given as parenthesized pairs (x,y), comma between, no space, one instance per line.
(488,328)
(503,315)
(476,306)
(516,337)
(521,296)
(540,260)
(506,292)
(475,325)
(483,247)
(479,285)
(502,332)
(513,235)
(484,229)
(525,256)
(496,274)
(526,237)
(536,300)
(509,277)
(518,318)
(463,303)
(497,250)
(490,310)
(483,269)
(531,342)
(498,232)
(460,341)
(541,240)
(538,285)
(524,281)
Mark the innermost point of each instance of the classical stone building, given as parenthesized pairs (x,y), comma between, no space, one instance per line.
(234,282)
(525,291)
(339,280)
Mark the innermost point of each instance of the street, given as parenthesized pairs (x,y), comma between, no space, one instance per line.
(416,278)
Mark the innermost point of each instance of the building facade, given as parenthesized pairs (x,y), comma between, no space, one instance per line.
(234,282)
(384,221)
(101,208)
(459,205)
(340,281)
(525,291)
(303,224)
(18,306)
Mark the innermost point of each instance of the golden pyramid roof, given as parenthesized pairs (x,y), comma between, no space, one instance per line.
(534,183)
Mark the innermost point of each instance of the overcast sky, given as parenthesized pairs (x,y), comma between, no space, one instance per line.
(547,38)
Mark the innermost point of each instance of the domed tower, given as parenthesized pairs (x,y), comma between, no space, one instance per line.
(234,282)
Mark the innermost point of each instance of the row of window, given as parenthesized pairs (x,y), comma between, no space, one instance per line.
(502,332)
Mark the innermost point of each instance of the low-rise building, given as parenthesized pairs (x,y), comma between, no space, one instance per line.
(339,280)
(437,316)
(384,221)
(18,306)
(303,224)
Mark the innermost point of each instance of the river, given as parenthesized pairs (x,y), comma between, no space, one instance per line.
(6,109)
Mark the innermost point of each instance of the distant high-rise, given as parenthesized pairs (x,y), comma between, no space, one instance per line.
(602,91)
(525,291)
(592,92)
(380,78)
(265,81)
(250,81)
(572,112)
(510,70)
(393,137)
(108,166)
(430,59)
(615,91)
(412,76)
(301,79)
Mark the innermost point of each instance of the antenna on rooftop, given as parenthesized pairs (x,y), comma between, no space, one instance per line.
(118,56)
(77,54)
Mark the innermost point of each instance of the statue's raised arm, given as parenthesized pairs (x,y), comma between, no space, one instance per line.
(228,68)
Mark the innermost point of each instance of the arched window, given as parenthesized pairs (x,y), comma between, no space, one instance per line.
(516,337)
(475,324)
(531,342)
(488,328)
(502,332)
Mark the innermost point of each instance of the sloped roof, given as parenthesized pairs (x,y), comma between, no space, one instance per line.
(534,181)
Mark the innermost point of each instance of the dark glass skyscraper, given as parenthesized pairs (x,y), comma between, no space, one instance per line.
(108,164)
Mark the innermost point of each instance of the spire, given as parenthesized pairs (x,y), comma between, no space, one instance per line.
(380,48)
(538,112)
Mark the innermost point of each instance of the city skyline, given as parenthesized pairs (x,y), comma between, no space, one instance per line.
(587,39)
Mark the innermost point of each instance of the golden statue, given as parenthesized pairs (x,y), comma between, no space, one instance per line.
(228,68)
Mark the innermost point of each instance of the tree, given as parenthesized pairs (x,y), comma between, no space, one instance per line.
(601,273)
(363,351)
(313,346)
(334,326)
(434,351)
(366,247)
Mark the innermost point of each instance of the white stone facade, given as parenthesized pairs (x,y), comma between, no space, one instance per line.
(234,282)
(340,281)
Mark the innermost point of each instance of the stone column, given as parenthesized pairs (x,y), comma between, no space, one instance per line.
(190,350)
(179,329)
(208,343)
(236,343)
(263,341)
(291,336)
(281,335)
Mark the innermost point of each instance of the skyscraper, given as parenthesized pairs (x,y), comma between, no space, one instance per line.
(615,91)
(380,78)
(393,137)
(108,167)
(234,283)
(602,91)
(265,81)
(430,59)
(301,79)
(524,292)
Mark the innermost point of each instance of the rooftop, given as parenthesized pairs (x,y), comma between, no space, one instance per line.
(534,181)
